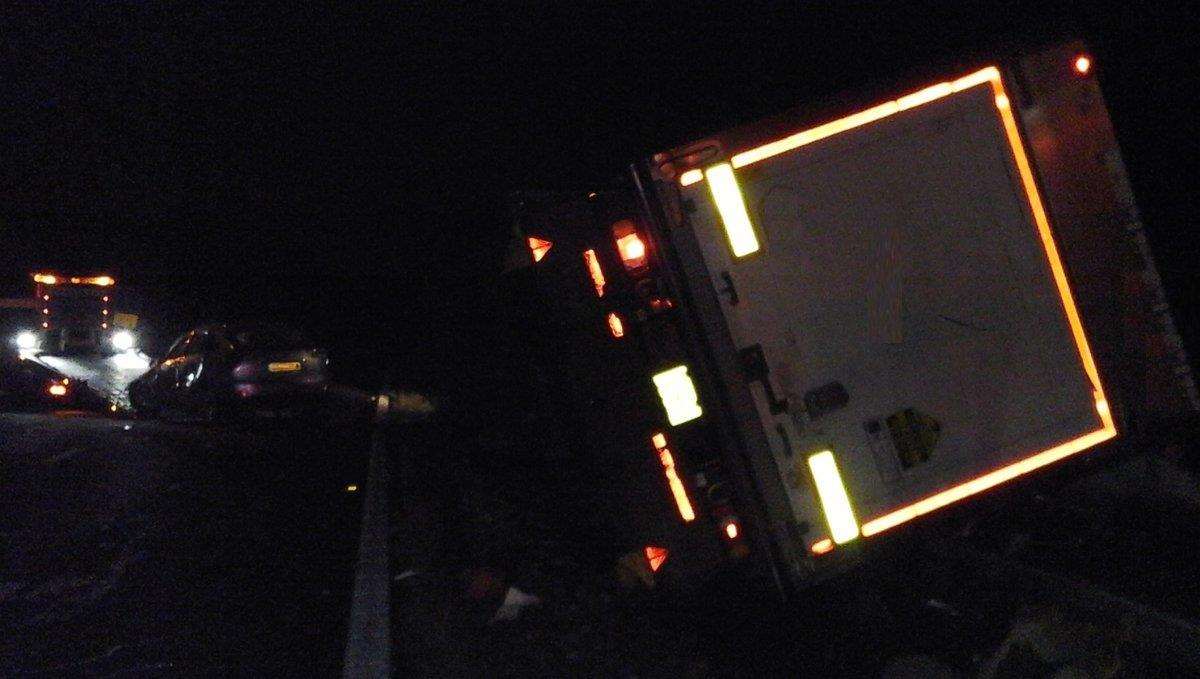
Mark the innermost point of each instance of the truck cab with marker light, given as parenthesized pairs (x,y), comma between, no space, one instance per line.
(78,313)
(838,322)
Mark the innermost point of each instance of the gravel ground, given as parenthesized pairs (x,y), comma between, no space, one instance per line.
(464,504)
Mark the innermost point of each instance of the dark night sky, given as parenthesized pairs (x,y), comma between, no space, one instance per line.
(345,167)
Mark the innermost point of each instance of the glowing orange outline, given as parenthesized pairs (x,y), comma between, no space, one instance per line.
(1108,429)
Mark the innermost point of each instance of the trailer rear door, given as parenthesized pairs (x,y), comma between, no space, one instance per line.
(898,273)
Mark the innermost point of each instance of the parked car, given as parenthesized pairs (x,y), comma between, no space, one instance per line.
(29,384)
(223,369)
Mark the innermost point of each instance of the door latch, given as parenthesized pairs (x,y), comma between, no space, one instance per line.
(754,365)
(729,289)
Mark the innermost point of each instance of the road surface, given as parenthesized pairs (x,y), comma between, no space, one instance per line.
(146,548)
(107,375)
(138,548)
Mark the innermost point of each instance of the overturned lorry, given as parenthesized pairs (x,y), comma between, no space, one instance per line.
(789,341)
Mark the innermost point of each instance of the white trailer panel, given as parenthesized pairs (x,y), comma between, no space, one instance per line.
(903,261)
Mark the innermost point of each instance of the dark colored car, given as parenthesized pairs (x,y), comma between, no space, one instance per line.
(28,384)
(222,369)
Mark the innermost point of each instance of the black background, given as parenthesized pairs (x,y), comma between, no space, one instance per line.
(343,167)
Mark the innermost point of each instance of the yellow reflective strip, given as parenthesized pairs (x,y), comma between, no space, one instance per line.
(834,501)
(730,204)
(691,177)
(678,395)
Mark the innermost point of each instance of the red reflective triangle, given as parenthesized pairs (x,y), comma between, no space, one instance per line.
(539,247)
(656,556)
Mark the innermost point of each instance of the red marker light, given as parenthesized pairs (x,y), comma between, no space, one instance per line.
(630,245)
(615,326)
(539,247)
(656,557)
(686,512)
(1082,64)
(633,251)
(593,265)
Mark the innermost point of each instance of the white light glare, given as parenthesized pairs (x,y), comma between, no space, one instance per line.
(26,340)
(122,340)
